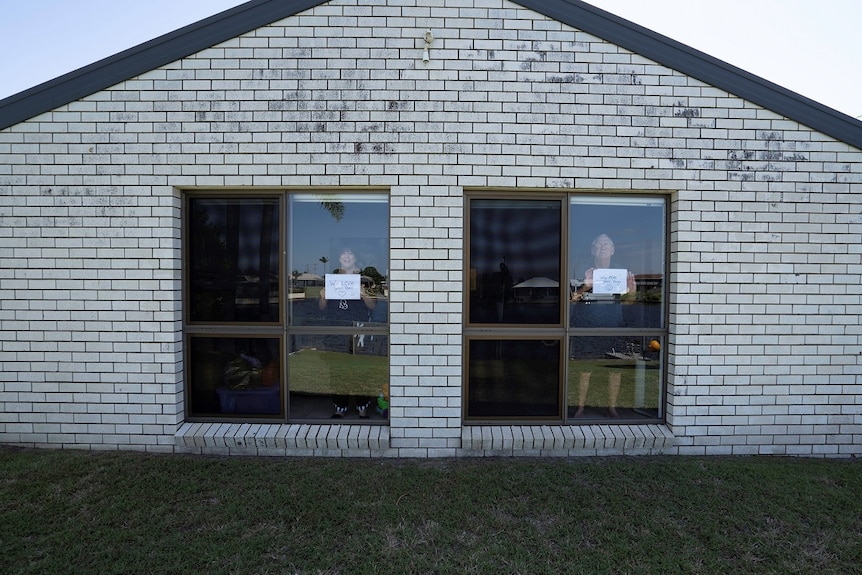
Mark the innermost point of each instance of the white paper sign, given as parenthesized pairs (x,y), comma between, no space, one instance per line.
(610,281)
(342,286)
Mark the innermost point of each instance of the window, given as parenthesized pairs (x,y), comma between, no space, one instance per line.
(521,237)
(306,344)
(565,308)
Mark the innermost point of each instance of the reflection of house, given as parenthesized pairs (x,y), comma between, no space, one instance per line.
(525,99)
(537,290)
(647,282)
(308,279)
(249,291)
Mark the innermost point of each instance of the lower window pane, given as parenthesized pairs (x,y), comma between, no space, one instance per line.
(237,376)
(338,376)
(614,377)
(513,378)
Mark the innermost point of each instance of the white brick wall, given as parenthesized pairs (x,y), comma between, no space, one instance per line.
(766,234)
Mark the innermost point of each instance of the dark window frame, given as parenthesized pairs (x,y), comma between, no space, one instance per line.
(476,331)
(281,328)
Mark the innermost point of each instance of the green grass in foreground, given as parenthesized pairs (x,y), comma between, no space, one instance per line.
(78,512)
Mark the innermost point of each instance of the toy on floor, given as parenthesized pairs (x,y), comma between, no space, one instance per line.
(382,402)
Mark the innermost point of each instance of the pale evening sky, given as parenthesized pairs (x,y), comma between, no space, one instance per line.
(810,47)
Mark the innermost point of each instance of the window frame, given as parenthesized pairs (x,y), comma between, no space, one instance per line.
(281,328)
(473,331)
(485,196)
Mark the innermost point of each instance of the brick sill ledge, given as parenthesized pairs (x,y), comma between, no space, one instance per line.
(374,440)
(562,440)
(282,439)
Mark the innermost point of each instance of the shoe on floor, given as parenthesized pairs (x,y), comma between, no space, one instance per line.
(339,412)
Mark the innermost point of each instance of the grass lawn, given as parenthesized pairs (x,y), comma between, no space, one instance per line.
(70,512)
(332,373)
(633,374)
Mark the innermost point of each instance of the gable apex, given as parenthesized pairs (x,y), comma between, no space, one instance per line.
(575,13)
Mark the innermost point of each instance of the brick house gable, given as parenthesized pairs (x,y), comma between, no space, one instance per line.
(257,13)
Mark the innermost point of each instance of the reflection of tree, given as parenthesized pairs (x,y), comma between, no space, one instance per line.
(376,277)
(335,209)
(207,245)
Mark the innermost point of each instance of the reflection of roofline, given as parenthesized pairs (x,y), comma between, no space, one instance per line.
(258,13)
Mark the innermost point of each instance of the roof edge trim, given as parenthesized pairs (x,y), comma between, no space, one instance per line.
(701,66)
(146,57)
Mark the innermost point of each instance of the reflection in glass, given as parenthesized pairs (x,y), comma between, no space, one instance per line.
(513,378)
(235,376)
(233,260)
(326,370)
(515,261)
(614,377)
(339,235)
(617,252)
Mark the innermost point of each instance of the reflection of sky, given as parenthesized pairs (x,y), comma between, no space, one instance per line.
(312,233)
(315,233)
(526,233)
(636,230)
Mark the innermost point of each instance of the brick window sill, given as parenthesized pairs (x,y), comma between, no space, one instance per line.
(565,440)
(320,440)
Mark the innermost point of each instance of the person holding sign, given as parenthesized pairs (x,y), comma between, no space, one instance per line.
(346,290)
(347,302)
(602,279)
(598,302)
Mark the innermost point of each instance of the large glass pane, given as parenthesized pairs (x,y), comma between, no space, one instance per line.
(617,248)
(338,376)
(339,241)
(614,377)
(236,376)
(233,260)
(515,261)
(513,378)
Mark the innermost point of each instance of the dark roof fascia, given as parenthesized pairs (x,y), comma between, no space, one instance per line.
(146,57)
(706,68)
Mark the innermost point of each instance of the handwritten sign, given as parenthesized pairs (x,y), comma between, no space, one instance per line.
(342,286)
(610,281)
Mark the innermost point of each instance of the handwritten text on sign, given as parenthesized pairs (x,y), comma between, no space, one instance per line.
(342,286)
(611,281)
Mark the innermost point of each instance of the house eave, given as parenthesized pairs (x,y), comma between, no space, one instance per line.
(701,66)
(146,57)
